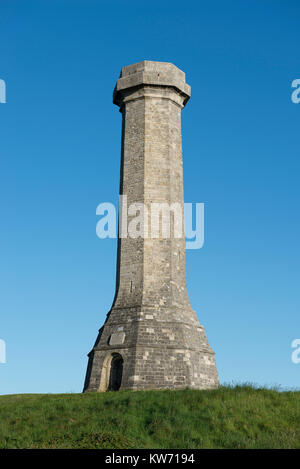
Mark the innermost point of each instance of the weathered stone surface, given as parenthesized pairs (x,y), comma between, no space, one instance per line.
(164,345)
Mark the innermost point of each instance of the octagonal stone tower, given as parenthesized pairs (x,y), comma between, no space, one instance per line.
(151,338)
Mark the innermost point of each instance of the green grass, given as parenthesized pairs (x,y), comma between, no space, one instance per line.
(228,417)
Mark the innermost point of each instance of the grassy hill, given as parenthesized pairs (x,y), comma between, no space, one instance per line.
(239,417)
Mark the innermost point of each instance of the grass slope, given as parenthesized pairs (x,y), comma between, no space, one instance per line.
(239,417)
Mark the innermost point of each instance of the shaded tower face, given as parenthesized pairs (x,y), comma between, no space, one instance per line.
(151,333)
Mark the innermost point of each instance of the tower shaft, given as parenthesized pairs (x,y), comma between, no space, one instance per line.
(152,270)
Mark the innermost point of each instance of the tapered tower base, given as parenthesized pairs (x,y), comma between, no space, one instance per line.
(142,352)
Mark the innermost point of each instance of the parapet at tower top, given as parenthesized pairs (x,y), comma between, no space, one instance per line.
(151,73)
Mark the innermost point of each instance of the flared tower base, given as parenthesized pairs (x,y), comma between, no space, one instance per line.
(140,352)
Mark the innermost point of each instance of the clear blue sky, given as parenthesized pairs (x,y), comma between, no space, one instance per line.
(60,154)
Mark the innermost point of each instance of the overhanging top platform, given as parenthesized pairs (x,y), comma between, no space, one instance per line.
(151,73)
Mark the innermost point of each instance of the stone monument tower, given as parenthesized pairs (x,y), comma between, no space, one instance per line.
(151,338)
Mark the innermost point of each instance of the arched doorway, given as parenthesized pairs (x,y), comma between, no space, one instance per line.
(116,371)
(112,370)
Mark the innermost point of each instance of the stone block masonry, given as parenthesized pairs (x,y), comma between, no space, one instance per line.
(151,338)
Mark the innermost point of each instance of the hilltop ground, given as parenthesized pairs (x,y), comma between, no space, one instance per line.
(228,417)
